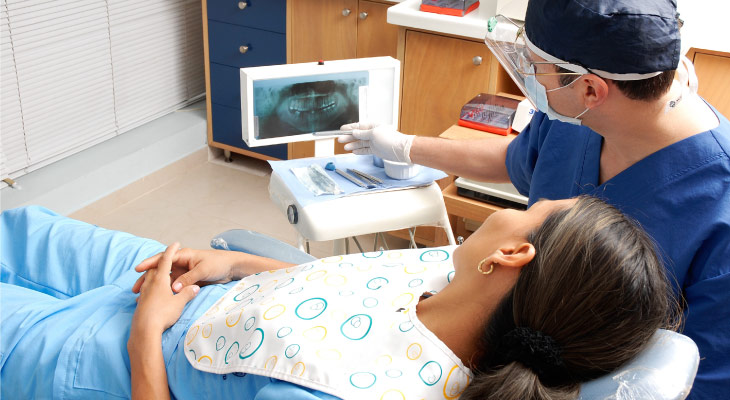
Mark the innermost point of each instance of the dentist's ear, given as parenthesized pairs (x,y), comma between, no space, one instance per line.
(516,256)
(596,90)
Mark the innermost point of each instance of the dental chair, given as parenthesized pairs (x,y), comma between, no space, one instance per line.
(665,370)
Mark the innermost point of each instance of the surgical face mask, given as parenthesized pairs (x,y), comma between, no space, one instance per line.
(537,94)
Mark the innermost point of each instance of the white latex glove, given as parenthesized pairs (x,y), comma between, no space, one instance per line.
(382,141)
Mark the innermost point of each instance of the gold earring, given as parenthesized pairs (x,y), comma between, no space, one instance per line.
(481,264)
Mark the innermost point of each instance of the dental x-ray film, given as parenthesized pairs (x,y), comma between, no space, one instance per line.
(309,101)
(298,105)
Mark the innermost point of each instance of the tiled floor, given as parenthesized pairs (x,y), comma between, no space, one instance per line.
(193,199)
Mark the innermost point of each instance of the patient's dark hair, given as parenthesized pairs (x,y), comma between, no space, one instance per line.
(588,302)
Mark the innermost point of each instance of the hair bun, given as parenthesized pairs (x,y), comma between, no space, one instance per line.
(535,350)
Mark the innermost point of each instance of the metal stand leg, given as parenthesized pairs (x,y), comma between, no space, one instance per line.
(357,243)
(301,243)
(412,234)
(338,247)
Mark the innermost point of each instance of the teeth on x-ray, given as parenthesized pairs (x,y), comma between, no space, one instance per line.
(305,107)
(311,103)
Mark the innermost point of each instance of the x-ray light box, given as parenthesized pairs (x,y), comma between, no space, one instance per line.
(291,102)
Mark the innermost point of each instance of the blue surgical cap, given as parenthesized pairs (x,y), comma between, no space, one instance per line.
(618,37)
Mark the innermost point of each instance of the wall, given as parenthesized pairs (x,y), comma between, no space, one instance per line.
(76,181)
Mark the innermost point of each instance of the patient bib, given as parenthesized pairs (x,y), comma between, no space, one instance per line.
(344,325)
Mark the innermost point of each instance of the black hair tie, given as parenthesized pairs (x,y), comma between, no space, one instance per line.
(537,351)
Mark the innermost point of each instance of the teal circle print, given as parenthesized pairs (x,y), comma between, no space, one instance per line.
(405,326)
(296,290)
(194,356)
(356,327)
(430,373)
(220,343)
(377,283)
(434,255)
(370,302)
(393,373)
(373,254)
(246,292)
(291,350)
(249,323)
(450,276)
(345,293)
(415,282)
(393,265)
(253,344)
(283,332)
(311,308)
(346,265)
(231,352)
(362,380)
(284,284)
(308,267)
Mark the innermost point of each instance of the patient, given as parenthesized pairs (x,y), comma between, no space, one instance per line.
(539,302)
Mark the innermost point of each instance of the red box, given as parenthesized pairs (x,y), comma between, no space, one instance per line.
(458,8)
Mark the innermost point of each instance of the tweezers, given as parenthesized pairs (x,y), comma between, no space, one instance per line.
(354,180)
(365,176)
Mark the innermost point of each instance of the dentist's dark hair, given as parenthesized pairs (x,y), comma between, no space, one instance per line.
(648,89)
(589,301)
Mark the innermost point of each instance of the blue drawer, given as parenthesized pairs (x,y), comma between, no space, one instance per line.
(264,48)
(225,87)
(227,130)
(262,14)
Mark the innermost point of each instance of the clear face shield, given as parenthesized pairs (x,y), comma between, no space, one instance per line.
(507,41)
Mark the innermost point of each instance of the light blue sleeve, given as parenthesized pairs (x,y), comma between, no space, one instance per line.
(278,390)
(63,257)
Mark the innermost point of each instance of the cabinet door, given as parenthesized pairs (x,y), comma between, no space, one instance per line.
(322,31)
(713,72)
(375,36)
(441,74)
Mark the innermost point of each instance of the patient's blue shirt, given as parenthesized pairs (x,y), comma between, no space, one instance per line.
(681,197)
(67,307)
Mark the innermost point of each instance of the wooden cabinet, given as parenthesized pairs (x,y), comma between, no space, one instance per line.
(323,30)
(713,72)
(375,37)
(338,30)
(239,34)
(440,75)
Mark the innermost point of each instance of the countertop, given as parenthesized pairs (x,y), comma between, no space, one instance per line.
(472,25)
(704,27)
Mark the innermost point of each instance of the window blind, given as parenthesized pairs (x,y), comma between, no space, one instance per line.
(78,72)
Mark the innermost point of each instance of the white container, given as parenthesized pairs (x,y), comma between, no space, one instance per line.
(398,170)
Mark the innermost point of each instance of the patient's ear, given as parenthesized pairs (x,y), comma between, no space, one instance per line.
(516,256)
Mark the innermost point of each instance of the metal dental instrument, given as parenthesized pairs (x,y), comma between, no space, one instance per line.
(354,180)
(365,176)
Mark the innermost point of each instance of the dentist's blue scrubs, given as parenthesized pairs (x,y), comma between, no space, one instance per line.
(680,195)
(66,308)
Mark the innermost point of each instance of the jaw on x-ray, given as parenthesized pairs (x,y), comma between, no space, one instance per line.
(285,107)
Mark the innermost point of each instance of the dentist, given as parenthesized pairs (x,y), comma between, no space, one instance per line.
(613,122)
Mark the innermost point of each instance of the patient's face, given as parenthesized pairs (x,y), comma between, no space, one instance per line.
(505,228)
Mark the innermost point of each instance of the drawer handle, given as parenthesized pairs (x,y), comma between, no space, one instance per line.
(363,15)
(477,60)
(346,12)
(243,49)
(242,5)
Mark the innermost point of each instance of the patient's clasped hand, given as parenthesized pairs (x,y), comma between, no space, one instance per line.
(530,306)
